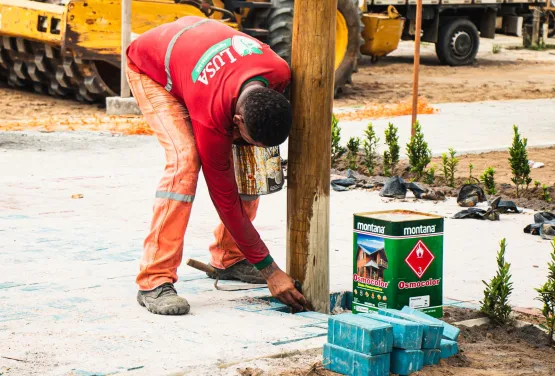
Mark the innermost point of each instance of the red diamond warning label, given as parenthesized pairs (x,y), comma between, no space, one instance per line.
(419,259)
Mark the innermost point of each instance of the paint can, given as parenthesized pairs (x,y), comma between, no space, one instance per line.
(258,170)
(398,261)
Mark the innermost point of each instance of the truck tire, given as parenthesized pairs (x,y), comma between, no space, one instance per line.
(280,26)
(458,43)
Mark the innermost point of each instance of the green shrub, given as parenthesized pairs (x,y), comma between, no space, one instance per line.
(370,144)
(449,165)
(418,152)
(430,176)
(496,295)
(519,162)
(547,296)
(545,193)
(352,150)
(489,181)
(471,179)
(336,149)
(391,155)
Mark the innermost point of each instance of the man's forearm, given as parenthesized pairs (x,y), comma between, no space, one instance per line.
(269,270)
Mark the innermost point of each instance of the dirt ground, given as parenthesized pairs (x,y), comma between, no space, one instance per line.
(390,81)
(507,75)
(529,199)
(484,350)
(24,105)
(499,161)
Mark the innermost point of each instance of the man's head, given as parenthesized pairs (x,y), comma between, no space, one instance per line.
(263,116)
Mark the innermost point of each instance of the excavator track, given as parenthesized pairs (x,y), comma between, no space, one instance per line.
(43,68)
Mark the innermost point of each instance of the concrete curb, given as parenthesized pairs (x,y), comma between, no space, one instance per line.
(122,106)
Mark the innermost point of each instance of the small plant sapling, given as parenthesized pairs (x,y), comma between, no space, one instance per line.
(547,297)
(418,152)
(336,149)
(391,155)
(471,179)
(496,295)
(489,181)
(430,176)
(370,144)
(545,193)
(519,162)
(352,150)
(449,164)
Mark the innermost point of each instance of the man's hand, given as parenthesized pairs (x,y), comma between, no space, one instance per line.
(282,287)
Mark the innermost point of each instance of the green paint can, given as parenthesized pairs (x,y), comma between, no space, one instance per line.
(398,261)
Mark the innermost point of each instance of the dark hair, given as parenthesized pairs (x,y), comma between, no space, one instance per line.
(268,116)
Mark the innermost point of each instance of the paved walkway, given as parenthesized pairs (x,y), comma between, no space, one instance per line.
(470,127)
(67,266)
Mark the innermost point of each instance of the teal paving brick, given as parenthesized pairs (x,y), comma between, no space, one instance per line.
(406,334)
(316,316)
(405,362)
(449,331)
(432,332)
(431,356)
(448,348)
(351,363)
(360,334)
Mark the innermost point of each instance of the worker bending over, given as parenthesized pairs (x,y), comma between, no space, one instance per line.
(202,85)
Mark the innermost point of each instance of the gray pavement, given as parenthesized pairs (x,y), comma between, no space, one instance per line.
(468,127)
(474,127)
(67,266)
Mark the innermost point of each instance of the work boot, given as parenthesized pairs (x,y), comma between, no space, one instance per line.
(163,300)
(242,271)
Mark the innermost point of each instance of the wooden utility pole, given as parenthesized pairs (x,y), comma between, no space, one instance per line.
(309,163)
(416,69)
(125,40)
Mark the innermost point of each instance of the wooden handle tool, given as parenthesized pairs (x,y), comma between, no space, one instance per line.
(202,266)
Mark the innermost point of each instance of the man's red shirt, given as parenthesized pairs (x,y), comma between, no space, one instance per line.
(209,65)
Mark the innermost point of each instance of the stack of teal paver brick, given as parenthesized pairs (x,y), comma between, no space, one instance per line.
(391,341)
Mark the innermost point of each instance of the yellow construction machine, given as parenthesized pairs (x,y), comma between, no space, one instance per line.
(71,48)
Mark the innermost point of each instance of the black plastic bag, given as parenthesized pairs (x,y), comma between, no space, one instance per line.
(470,195)
(544,217)
(508,207)
(396,187)
(491,213)
(544,225)
(341,185)
(476,213)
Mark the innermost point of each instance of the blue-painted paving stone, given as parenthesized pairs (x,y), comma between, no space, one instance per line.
(432,332)
(313,315)
(347,362)
(449,331)
(448,348)
(405,362)
(406,334)
(431,356)
(357,333)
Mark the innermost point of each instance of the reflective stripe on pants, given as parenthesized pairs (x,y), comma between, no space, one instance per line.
(163,247)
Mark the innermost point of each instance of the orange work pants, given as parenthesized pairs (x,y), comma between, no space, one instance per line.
(163,247)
